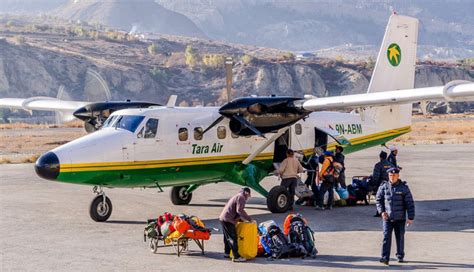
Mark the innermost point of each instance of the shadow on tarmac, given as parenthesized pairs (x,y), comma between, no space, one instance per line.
(431,215)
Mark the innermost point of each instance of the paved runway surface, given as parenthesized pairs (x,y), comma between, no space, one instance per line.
(45,225)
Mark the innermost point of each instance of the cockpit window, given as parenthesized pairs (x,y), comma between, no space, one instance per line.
(110,120)
(151,127)
(129,122)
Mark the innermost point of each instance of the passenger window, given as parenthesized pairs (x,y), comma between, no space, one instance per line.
(221,132)
(198,133)
(298,129)
(183,134)
(151,127)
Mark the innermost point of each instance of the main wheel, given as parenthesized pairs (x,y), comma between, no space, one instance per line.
(179,196)
(278,199)
(153,245)
(100,210)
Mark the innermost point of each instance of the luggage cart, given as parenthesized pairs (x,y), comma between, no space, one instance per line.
(180,244)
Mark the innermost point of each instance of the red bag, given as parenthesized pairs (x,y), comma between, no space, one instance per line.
(200,235)
(181,225)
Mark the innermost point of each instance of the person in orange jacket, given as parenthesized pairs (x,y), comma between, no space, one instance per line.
(326,175)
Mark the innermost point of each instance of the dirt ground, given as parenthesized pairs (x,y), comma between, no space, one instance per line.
(23,143)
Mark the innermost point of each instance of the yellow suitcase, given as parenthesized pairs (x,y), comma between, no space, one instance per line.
(247,240)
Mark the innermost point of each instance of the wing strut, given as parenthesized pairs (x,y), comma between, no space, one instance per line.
(264,145)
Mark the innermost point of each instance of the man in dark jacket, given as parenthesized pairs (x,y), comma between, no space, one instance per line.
(394,201)
(380,173)
(339,157)
(392,158)
(233,211)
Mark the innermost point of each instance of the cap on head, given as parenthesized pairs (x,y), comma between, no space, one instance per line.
(383,155)
(393,170)
(340,148)
(393,148)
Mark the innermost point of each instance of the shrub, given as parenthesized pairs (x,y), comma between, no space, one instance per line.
(19,39)
(152,49)
(158,74)
(213,61)
(288,56)
(246,59)
(10,24)
(191,56)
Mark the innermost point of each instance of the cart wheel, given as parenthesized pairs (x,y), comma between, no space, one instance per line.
(153,245)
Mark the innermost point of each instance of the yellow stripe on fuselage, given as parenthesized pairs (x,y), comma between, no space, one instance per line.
(106,166)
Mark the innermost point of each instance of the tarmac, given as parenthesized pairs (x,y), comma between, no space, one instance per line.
(45,226)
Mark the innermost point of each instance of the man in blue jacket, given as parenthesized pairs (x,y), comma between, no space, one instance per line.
(394,201)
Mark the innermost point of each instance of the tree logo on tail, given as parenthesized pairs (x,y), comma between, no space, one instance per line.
(394,54)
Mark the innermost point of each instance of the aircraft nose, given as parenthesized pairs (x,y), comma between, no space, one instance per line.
(47,166)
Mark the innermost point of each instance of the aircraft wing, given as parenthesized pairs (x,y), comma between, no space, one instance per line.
(453,91)
(42,103)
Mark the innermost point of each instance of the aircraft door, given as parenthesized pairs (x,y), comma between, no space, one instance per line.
(320,139)
(146,145)
(281,145)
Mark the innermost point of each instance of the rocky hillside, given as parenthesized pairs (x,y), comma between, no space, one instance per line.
(37,64)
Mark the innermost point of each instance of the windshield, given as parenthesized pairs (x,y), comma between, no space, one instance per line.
(110,120)
(129,122)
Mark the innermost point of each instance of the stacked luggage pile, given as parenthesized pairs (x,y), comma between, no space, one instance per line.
(176,231)
(268,240)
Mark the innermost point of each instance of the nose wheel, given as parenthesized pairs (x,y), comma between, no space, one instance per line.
(101,206)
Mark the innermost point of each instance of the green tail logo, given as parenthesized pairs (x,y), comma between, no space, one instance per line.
(394,54)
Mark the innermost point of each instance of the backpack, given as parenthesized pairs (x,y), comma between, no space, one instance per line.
(151,230)
(300,234)
(275,243)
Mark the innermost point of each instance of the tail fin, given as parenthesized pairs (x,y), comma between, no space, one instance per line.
(395,70)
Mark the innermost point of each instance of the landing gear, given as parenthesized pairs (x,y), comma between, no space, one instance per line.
(180,196)
(278,199)
(101,206)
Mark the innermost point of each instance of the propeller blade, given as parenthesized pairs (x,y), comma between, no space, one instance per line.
(247,124)
(218,120)
(228,77)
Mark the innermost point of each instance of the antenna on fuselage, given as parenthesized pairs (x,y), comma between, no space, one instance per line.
(228,77)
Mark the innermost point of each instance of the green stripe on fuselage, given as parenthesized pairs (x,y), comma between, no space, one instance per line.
(185,175)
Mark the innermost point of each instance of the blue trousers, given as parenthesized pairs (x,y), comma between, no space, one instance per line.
(399,228)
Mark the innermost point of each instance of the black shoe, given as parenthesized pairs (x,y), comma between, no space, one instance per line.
(400,259)
(384,261)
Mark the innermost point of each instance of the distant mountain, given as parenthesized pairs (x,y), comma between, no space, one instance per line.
(140,15)
(302,25)
(29,6)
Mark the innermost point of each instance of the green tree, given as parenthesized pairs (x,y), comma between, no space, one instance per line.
(213,61)
(152,49)
(191,57)
(246,59)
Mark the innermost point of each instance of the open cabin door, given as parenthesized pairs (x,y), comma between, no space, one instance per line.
(281,146)
(321,135)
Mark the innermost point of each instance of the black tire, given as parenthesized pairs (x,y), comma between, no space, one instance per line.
(179,196)
(278,199)
(153,245)
(98,211)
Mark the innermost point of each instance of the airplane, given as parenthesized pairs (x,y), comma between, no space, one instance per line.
(243,141)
